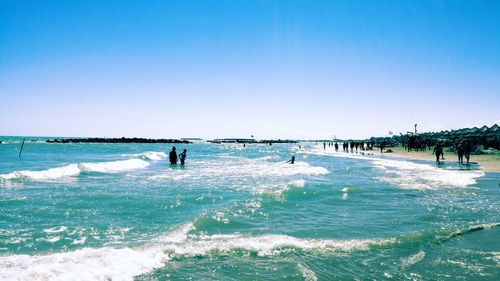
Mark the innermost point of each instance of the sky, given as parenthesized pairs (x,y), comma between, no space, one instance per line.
(272,69)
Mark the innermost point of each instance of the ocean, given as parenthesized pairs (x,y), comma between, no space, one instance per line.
(122,212)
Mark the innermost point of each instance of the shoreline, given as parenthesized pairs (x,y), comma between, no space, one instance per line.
(486,162)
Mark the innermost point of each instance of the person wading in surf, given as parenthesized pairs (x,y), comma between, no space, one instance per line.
(438,151)
(182,156)
(173,156)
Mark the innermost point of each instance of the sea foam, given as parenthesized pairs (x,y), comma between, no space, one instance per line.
(124,263)
(243,168)
(411,175)
(72,170)
(149,155)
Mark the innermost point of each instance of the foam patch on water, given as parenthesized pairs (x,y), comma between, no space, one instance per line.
(278,190)
(186,244)
(84,264)
(149,155)
(307,273)
(55,229)
(124,263)
(76,169)
(114,166)
(410,175)
(243,169)
(409,261)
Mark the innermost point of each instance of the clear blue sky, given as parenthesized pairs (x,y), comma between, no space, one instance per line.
(280,69)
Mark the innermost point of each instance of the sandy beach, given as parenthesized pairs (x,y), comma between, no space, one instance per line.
(487,162)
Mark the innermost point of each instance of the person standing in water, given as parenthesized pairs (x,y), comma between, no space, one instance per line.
(460,152)
(173,156)
(438,151)
(182,156)
(468,150)
(291,161)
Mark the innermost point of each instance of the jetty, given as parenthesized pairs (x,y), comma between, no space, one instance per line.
(115,140)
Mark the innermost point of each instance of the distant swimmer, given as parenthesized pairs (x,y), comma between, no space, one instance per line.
(291,161)
(173,156)
(438,151)
(182,156)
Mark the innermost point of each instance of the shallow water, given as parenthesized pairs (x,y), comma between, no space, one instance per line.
(121,212)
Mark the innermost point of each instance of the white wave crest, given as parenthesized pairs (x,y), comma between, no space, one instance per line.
(149,155)
(114,166)
(85,264)
(49,174)
(75,169)
(278,190)
(124,263)
(242,168)
(181,242)
(56,229)
(410,175)
(266,245)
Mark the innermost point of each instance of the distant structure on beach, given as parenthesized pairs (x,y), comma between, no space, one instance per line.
(484,137)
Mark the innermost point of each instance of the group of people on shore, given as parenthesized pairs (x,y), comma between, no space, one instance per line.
(352,146)
(172,156)
(463,148)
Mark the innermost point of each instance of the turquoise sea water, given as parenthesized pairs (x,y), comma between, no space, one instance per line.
(121,212)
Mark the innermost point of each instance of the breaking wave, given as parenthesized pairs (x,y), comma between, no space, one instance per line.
(125,263)
(411,175)
(72,170)
(242,168)
(149,155)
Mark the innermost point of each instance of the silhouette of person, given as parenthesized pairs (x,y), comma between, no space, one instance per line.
(438,151)
(324,145)
(460,152)
(173,156)
(182,156)
(468,150)
(291,161)
(336,147)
